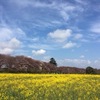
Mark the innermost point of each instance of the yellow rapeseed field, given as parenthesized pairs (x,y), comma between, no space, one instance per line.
(49,87)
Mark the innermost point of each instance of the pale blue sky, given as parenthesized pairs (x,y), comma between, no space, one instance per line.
(68,30)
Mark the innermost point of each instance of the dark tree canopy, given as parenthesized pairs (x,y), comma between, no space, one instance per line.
(90,70)
(52,61)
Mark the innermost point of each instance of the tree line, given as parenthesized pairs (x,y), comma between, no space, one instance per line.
(89,69)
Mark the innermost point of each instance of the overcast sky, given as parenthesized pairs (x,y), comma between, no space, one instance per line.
(68,30)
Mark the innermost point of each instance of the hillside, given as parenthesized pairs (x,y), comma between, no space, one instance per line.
(28,65)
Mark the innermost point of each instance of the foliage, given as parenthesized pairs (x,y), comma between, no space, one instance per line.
(52,61)
(49,87)
(90,70)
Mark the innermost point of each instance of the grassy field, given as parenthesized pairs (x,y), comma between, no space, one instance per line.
(49,87)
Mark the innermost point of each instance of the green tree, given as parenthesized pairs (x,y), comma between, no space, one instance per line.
(52,61)
(90,70)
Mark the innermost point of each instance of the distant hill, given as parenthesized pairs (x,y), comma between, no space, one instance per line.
(17,64)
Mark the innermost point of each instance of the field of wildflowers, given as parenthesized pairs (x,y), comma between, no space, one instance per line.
(49,87)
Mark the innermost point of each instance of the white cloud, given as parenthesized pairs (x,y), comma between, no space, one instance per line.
(32,3)
(64,9)
(8,47)
(85,40)
(64,15)
(95,27)
(19,33)
(96,63)
(6,51)
(14,43)
(69,45)
(21,3)
(38,52)
(10,39)
(60,35)
(78,36)
(41,45)
(81,2)
(35,39)
(82,56)
(82,63)
(46,58)
(7,33)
